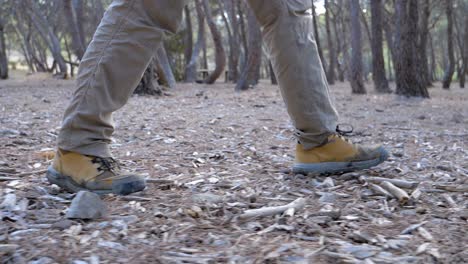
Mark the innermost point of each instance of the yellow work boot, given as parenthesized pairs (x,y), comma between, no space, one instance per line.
(338,155)
(75,172)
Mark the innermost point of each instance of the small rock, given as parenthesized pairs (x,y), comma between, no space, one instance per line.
(86,205)
(42,260)
(328,183)
(9,132)
(458,118)
(62,224)
(9,202)
(362,251)
(327,198)
(79,262)
(207,198)
(112,245)
(7,248)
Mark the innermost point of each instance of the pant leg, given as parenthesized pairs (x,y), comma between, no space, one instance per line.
(287,31)
(113,64)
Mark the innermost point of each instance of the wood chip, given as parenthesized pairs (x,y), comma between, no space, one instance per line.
(268,211)
(398,193)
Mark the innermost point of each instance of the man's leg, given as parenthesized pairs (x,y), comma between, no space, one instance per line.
(287,31)
(114,63)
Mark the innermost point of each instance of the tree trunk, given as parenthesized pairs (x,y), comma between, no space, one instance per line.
(249,76)
(357,82)
(220,54)
(243,34)
(146,85)
(3,55)
(378,62)
(234,41)
(191,68)
(48,35)
(422,45)
(317,36)
(451,58)
(188,37)
(407,80)
(331,49)
(79,15)
(273,78)
(77,44)
(465,55)
(164,68)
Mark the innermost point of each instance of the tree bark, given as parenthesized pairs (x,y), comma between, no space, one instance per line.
(331,48)
(317,36)
(451,57)
(378,62)
(191,68)
(357,82)
(146,85)
(250,76)
(231,8)
(79,16)
(465,55)
(407,80)
(3,54)
(48,35)
(77,43)
(422,45)
(188,37)
(164,68)
(220,54)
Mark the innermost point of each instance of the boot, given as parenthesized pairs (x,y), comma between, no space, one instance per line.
(75,172)
(337,155)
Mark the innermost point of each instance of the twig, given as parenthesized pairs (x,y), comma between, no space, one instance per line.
(379,190)
(396,182)
(267,211)
(136,198)
(2,178)
(23,174)
(400,194)
(449,200)
(159,181)
(411,228)
(452,188)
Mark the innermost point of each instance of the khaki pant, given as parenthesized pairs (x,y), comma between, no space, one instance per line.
(128,36)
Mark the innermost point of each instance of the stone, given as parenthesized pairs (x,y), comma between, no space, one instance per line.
(86,205)
(62,224)
(328,198)
(207,198)
(111,245)
(9,201)
(42,260)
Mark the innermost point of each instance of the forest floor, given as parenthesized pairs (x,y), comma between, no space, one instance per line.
(212,154)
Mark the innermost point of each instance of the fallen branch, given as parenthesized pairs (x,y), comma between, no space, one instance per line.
(267,211)
(400,194)
(396,182)
(379,190)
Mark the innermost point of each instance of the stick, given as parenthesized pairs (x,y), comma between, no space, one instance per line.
(401,195)
(159,181)
(396,182)
(379,190)
(2,178)
(267,211)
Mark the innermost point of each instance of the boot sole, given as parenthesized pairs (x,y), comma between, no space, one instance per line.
(119,187)
(328,168)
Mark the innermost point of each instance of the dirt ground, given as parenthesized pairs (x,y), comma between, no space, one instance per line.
(212,154)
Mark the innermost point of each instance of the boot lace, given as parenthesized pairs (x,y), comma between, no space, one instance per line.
(344,130)
(106,164)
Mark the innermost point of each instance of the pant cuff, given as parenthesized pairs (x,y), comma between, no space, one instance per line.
(98,149)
